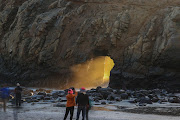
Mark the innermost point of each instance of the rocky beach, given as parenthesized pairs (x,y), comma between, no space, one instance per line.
(125,53)
(108,104)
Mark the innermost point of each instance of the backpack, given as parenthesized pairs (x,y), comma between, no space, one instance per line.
(90,104)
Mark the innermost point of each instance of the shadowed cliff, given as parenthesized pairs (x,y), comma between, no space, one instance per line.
(40,40)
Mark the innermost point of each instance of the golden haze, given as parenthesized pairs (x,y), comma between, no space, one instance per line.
(92,73)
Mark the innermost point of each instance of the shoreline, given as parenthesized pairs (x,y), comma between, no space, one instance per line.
(38,111)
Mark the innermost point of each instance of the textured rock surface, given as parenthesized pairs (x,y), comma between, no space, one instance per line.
(41,39)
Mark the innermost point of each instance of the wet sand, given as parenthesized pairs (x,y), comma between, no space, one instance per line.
(46,111)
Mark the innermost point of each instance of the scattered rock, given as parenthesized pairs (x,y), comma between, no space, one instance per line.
(174,100)
(124,96)
(47,98)
(63,99)
(145,100)
(59,105)
(42,93)
(155,99)
(103,102)
(118,99)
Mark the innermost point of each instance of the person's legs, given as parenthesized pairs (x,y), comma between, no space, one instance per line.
(87,110)
(78,112)
(4,105)
(66,114)
(16,101)
(19,101)
(83,112)
(71,112)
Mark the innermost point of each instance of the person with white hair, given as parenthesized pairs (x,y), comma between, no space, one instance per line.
(18,91)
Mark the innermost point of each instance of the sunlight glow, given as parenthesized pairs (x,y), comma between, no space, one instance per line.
(92,73)
(108,65)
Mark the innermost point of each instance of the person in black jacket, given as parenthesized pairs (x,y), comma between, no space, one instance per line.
(82,101)
(18,91)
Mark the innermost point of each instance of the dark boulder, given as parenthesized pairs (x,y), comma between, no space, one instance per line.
(103,103)
(139,95)
(38,97)
(111,97)
(117,99)
(63,99)
(145,100)
(97,98)
(174,100)
(42,93)
(155,99)
(99,87)
(121,91)
(124,96)
(132,101)
(47,98)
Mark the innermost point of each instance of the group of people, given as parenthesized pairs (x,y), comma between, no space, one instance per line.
(80,99)
(74,98)
(5,94)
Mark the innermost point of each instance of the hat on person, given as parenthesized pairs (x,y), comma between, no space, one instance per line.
(18,84)
(70,91)
(82,89)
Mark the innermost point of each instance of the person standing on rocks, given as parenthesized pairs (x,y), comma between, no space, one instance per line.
(18,91)
(70,104)
(82,101)
(5,95)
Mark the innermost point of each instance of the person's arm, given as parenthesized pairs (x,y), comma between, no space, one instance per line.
(76,93)
(88,99)
(77,100)
(66,96)
(15,90)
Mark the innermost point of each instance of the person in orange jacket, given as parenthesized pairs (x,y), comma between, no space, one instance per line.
(70,104)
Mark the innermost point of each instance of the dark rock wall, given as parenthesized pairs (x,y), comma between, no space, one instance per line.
(41,39)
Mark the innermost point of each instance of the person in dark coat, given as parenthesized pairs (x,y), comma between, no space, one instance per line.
(82,101)
(18,91)
(5,95)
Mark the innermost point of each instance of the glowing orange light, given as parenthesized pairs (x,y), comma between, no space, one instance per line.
(93,73)
(108,65)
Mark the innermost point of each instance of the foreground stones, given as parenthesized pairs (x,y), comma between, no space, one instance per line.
(104,96)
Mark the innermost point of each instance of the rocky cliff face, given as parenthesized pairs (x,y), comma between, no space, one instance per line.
(41,39)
